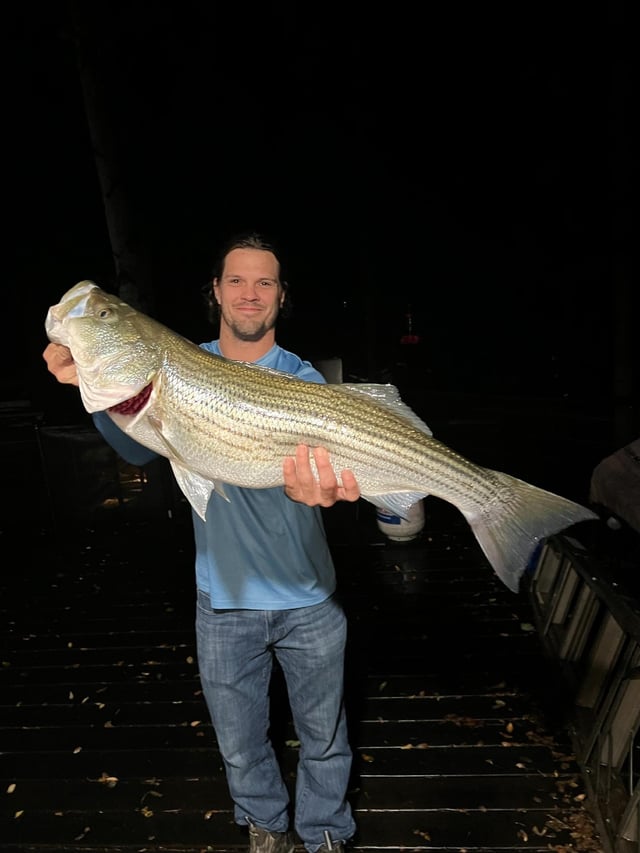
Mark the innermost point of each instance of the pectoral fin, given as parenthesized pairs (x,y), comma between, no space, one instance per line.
(196,489)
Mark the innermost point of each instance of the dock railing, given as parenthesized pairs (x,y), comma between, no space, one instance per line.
(592,630)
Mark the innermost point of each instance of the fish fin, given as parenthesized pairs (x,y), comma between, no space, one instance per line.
(196,488)
(387,396)
(510,527)
(397,503)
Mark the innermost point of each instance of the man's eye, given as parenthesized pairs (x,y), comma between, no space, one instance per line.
(267,283)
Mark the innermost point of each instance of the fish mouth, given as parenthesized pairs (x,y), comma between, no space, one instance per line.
(133,405)
(73,304)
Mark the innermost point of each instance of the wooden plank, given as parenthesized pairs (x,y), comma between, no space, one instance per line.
(150,824)
(369,792)
(201,759)
(441,718)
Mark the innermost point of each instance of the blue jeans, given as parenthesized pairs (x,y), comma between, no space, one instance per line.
(235,657)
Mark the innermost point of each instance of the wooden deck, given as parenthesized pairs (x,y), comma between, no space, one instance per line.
(456,717)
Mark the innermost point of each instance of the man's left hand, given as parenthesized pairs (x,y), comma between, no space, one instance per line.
(300,483)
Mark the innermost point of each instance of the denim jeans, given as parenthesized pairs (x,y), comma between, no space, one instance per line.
(235,657)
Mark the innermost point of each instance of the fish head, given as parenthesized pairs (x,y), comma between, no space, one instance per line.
(116,349)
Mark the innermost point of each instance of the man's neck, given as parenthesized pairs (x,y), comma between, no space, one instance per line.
(239,350)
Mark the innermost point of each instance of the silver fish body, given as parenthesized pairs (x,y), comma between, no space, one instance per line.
(219,421)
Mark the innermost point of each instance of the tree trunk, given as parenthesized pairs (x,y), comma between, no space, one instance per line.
(98,79)
(625,316)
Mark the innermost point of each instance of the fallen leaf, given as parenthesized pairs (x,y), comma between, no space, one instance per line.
(422,834)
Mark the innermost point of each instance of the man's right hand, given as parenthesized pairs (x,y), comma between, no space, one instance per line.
(60,362)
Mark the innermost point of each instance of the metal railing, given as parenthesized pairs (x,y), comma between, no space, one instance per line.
(592,629)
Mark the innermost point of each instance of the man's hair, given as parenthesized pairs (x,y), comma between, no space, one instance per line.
(245,240)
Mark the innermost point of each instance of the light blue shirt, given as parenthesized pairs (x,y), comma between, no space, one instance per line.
(260,550)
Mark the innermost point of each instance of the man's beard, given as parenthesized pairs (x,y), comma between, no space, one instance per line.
(252,333)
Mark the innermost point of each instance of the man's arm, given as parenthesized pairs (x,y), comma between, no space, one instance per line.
(60,362)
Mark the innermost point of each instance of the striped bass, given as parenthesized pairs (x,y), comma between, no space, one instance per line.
(219,421)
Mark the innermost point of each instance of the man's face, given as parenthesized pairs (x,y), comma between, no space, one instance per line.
(249,293)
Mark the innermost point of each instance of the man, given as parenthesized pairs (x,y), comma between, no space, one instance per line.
(265,587)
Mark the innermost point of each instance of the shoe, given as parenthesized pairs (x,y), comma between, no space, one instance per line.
(263,841)
(330,846)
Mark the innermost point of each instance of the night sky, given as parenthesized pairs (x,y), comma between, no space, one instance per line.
(464,163)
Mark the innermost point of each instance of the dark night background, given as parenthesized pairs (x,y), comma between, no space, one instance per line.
(468,163)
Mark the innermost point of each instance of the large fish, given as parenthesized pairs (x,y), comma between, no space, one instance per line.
(219,421)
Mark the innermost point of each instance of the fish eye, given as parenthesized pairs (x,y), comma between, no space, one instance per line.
(103,314)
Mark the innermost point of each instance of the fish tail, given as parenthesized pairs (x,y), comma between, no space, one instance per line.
(510,527)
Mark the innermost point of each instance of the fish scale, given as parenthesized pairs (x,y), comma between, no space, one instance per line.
(219,421)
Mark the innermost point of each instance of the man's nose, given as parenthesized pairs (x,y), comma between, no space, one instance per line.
(250,291)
